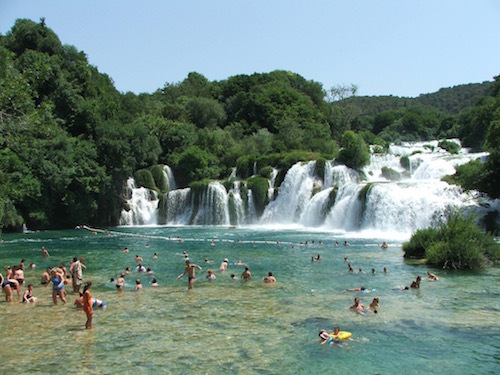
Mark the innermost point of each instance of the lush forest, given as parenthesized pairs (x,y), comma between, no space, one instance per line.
(69,139)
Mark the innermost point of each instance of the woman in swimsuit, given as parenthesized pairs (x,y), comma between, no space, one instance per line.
(57,286)
(28,295)
(87,304)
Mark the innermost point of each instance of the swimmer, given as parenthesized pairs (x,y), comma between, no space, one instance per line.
(416,284)
(233,277)
(361,271)
(373,271)
(362,289)
(374,305)
(126,250)
(246,275)
(223,265)
(210,275)
(384,245)
(269,278)
(155,256)
(190,270)
(149,271)
(346,243)
(357,306)
(138,258)
(120,283)
(45,253)
(323,336)
(32,265)
(349,265)
(45,279)
(127,270)
(140,268)
(432,276)
(138,285)
(154,283)
(385,269)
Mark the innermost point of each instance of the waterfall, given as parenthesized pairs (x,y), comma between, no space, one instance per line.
(295,193)
(142,204)
(167,171)
(212,207)
(343,199)
(178,207)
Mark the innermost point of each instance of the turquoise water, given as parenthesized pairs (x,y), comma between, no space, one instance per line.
(228,326)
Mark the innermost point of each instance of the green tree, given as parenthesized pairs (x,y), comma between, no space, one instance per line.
(354,152)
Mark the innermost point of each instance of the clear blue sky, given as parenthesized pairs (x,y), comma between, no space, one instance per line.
(386,47)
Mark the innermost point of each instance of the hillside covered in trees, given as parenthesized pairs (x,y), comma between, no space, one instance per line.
(69,139)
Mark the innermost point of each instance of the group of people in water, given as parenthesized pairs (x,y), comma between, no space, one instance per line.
(59,277)
(336,335)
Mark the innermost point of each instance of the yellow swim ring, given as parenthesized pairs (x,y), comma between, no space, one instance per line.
(343,335)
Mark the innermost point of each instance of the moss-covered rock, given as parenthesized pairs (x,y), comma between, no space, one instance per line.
(259,186)
(144,178)
(391,174)
(159,178)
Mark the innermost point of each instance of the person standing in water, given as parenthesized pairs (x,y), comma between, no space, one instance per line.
(87,304)
(190,270)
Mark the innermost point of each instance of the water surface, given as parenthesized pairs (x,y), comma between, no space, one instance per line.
(229,326)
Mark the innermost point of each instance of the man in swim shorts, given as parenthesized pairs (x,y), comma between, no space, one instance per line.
(190,270)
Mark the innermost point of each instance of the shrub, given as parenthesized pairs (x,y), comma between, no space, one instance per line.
(259,187)
(159,178)
(320,168)
(144,178)
(354,153)
(266,172)
(419,242)
(405,162)
(450,146)
(458,243)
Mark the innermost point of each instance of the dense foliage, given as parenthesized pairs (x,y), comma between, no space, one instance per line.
(458,244)
(69,139)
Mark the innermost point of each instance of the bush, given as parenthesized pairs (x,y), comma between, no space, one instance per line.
(266,172)
(405,162)
(144,178)
(458,243)
(419,242)
(354,153)
(320,168)
(259,187)
(450,146)
(159,178)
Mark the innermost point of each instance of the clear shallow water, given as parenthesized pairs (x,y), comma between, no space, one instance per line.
(227,326)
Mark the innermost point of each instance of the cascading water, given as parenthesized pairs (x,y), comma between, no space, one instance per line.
(386,196)
(142,204)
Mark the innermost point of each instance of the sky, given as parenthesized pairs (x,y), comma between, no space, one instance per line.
(385,47)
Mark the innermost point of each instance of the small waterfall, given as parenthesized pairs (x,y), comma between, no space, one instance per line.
(179,208)
(272,181)
(212,207)
(294,194)
(142,205)
(236,206)
(167,171)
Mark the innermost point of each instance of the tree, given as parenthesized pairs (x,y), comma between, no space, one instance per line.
(354,152)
